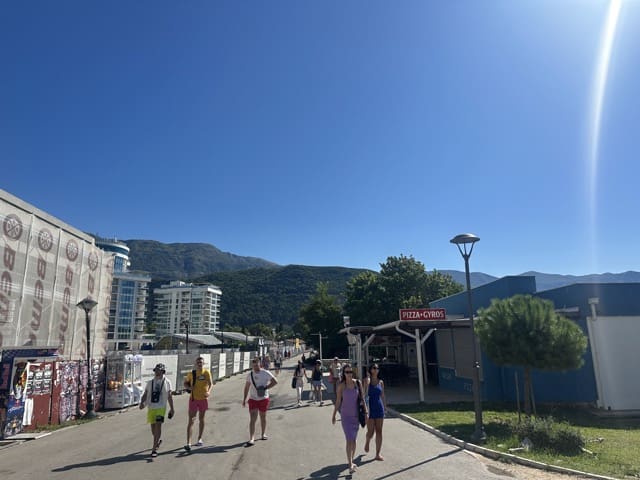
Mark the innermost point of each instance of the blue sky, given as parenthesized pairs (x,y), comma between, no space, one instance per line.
(330,133)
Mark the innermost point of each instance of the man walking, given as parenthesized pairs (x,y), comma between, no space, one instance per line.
(257,386)
(199,382)
(158,391)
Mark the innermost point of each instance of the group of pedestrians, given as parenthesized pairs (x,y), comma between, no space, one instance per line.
(158,394)
(352,395)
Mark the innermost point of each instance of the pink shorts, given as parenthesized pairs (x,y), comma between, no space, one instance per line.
(261,405)
(198,405)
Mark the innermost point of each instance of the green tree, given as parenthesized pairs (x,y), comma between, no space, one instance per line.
(402,282)
(364,300)
(323,315)
(526,331)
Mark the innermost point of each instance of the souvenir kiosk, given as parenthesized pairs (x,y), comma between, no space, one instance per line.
(123,386)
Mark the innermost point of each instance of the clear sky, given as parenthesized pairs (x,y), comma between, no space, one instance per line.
(333,132)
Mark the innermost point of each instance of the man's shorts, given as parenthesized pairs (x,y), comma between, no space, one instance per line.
(154,414)
(198,405)
(261,405)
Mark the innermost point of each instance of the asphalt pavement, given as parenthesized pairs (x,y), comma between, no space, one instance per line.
(302,444)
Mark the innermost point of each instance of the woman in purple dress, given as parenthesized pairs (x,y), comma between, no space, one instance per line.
(347,405)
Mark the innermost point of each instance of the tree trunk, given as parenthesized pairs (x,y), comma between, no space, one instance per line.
(527,391)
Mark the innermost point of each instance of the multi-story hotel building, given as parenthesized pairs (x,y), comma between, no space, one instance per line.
(129,295)
(181,305)
(48,267)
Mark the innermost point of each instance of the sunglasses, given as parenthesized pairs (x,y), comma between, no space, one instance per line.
(346,372)
(374,368)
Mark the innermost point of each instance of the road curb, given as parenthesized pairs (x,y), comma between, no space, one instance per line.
(493,454)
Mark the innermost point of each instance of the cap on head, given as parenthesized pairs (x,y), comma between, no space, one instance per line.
(160,367)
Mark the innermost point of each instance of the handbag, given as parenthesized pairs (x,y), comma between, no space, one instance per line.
(294,381)
(362,415)
(259,389)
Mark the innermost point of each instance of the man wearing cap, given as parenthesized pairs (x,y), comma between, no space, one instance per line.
(158,391)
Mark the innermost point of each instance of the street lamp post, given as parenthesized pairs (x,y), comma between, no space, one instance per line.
(87,305)
(465,242)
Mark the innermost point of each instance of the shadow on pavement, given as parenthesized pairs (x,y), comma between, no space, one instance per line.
(144,455)
(330,472)
(132,457)
(428,460)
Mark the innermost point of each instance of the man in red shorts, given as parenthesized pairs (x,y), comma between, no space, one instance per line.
(259,381)
(200,384)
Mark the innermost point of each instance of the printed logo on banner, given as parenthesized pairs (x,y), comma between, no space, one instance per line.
(12,226)
(93,261)
(72,250)
(45,240)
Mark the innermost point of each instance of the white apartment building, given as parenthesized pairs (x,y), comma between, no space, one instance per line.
(180,306)
(129,292)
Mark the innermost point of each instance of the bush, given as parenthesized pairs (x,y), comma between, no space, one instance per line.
(547,434)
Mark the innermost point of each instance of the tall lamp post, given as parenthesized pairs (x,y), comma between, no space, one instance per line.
(465,242)
(87,305)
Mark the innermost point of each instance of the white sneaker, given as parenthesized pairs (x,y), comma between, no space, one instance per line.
(200,443)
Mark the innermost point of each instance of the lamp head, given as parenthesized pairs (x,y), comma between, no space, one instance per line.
(465,242)
(87,304)
(464,238)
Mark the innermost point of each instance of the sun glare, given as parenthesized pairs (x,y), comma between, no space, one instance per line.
(598,94)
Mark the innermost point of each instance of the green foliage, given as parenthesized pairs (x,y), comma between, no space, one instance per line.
(180,261)
(526,331)
(547,434)
(402,283)
(365,298)
(274,296)
(322,315)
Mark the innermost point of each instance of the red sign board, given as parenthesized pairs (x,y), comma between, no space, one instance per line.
(423,314)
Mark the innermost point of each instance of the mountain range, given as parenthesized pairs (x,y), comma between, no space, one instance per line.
(191,260)
(255,289)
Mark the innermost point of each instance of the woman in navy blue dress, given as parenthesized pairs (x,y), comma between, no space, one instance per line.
(374,388)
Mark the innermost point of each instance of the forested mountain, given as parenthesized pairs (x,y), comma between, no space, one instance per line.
(257,290)
(182,261)
(274,295)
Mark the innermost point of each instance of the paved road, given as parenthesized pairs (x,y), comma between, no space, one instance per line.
(302,444)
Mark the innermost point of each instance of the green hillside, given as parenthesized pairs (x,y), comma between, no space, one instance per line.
(181,261)
(274,295)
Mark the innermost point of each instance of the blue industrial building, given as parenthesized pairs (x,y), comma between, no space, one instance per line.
(608,314)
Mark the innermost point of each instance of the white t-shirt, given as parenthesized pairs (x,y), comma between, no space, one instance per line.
(261,379)
(164,385)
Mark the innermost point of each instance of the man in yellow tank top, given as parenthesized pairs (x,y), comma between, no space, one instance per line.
(200,384)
